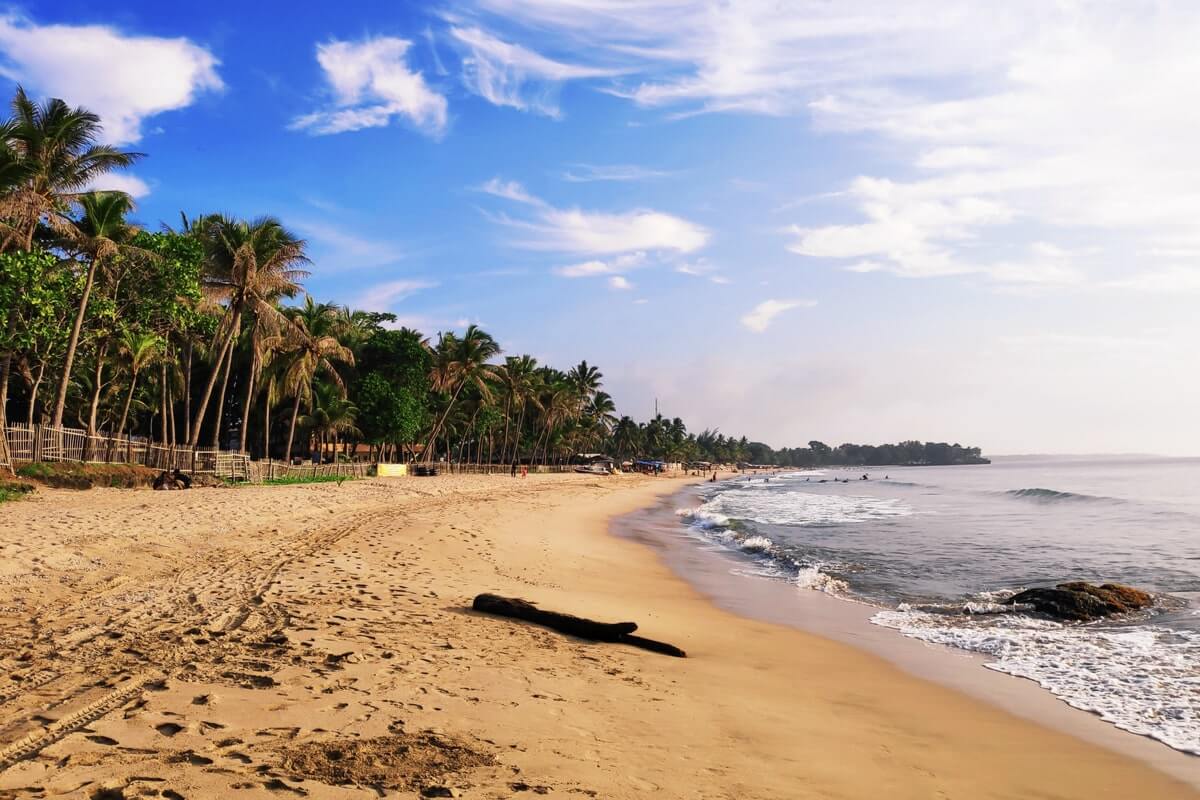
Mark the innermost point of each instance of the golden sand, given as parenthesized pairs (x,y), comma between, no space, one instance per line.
(313,640)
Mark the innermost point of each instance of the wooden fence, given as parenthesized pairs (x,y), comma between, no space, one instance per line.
(27,443)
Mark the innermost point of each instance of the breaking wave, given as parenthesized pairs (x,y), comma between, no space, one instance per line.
(1053,495)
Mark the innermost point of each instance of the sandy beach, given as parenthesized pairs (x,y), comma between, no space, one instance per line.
(314,641)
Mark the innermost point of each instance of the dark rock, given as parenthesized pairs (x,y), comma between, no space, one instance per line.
(438,791)
(1082,602)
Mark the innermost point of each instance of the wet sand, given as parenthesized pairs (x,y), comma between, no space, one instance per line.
(314,641)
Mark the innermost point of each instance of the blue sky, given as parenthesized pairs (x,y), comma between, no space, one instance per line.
(846,221)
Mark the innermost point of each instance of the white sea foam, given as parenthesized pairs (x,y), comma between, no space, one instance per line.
(813,578)
(1141,678)
(802,508)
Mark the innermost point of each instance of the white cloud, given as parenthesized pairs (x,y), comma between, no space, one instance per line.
(994,125)
(759,318)
(511,75)
(372,85)
(382,296)
(131,185)
(572,230)
(619,282)
(509,190)
(616,266)
(1169,280)
(348,249)
(125,78)
(597,233)
(586,173)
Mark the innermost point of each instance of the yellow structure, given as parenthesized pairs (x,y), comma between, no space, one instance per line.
(392,470)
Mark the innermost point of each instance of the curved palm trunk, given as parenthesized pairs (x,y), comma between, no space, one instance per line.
(206,397)
(128,402)
(246,410)
(437,429)
(216,440)
(267,421)
(60,401)
(292,427)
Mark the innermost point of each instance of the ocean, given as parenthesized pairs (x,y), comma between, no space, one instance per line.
(937,549)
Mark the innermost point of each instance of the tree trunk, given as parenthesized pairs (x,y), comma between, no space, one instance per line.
(128,402)
(187,396)
(292,427)
(95,405)
(34,389)
(216,440)
(60,402)
(267,420)
(198,420)
(438,427)
(6,367)
(163,405)
(250,381)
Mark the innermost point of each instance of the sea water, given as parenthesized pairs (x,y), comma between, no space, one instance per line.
(938,549)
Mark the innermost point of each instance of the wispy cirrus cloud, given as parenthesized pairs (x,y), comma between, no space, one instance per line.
(587,173)
(371,85)
(759,318)
(507,74)
(347,249)
(124,77)
(384,296)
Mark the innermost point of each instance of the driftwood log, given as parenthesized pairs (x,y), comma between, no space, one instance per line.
(621,632)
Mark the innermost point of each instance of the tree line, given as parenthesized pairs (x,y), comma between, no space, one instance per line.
(193,335)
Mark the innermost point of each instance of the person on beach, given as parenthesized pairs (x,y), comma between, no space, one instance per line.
(714,478)
(514,468)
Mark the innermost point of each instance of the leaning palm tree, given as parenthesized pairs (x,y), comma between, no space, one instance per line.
(312,337)
(460,362)
(139,350)
(100,234)
(247,266)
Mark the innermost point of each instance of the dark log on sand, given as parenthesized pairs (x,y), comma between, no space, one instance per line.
(621,632)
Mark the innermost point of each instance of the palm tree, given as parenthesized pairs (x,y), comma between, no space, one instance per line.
(248,266)
(313,337)
(517,376)
(331,415)
(140,350)
(459,363)
(48,155)
(584,380)
(100,233)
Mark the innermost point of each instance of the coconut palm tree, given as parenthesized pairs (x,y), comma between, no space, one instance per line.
(312,348)
(100,234)
(331,415)
(517,378)
(248,265)
(139,351)
(459,362)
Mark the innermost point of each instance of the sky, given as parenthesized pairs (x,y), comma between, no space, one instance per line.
(858,221)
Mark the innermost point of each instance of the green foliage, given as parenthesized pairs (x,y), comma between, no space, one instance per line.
(293,480)
(35,287)
(389,412)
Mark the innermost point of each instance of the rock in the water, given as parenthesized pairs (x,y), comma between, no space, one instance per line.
(1082,602)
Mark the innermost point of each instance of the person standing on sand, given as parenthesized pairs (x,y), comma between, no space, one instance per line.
(514,468)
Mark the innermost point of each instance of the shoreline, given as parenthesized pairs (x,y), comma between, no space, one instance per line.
(330,620)
(715,573)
